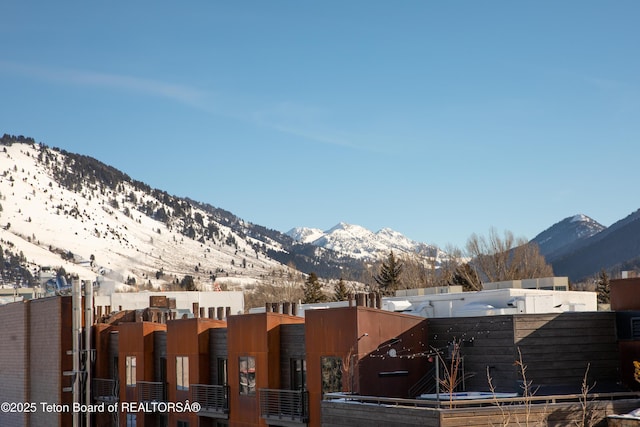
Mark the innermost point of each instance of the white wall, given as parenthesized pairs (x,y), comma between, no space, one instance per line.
(184,300)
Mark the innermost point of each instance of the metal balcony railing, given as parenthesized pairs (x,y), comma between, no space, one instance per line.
(212,398)
(105,390)
(288,405)
(151,391)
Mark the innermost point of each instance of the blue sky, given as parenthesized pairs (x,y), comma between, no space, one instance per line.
(436,119)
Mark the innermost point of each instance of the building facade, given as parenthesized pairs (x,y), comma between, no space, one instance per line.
(274,369)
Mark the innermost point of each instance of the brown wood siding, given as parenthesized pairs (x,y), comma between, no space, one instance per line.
(337,414)
(292,346)
(351,415)
(113,354)
(557,348)
(256,335)
(159,353)
(217,350)
(551,415)
(487,342)
(625,295)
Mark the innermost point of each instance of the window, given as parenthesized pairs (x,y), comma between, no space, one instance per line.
(222,371)
(331,371)
(298,374)
(635,328)
(130,368)
(131,420)
(183,423)
(182,372)
(247,365)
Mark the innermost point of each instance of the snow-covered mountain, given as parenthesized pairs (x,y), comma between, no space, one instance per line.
(61,209)
(360,243)
(613,249)
(566,235)
(64,210)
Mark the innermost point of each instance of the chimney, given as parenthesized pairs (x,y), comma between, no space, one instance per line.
(212,312)
(286,308)
(372,300)
(220,312)
(294,309)
(228,312)
(195,309)
(202,312)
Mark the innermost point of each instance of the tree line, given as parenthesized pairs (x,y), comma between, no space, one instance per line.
(492,258)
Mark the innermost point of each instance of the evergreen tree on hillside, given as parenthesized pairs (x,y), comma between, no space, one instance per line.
(388,278)
(313,290)
(341,293)
(603,288)
(188,284)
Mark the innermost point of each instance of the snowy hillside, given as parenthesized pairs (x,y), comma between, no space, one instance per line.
(57,214)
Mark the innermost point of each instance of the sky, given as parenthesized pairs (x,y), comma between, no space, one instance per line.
(436,119)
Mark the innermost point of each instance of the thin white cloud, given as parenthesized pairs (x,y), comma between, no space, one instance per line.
(181,93)
(289,118)
(604,83)
(305,121)
(315,136)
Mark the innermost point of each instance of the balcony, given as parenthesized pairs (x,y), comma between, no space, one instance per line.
(284,407)
(213,399)
(105,390)
(151,391)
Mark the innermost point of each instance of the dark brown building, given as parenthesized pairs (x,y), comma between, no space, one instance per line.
(188,373)
(254,365)
(363,350)
(625,300)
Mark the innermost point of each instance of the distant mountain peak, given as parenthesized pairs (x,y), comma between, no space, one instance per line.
(580,218)
(566,235)
(361,243)
(305,234)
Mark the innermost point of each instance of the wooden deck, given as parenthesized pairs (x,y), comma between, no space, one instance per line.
(552,411)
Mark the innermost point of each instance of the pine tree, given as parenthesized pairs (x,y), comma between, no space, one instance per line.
(603,288)
(313,290)
(388,279)
(187,283)
(341,293)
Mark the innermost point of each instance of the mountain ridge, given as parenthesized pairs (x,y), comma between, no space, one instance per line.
(579,247)
(565,235)
(61,207)
(361,243)
(59,203)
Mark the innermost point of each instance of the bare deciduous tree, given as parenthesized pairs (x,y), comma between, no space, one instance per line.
(277,286)
(416,273)
(497,258)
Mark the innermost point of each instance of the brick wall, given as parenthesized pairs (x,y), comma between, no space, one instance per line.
(13,361)
(45,338)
